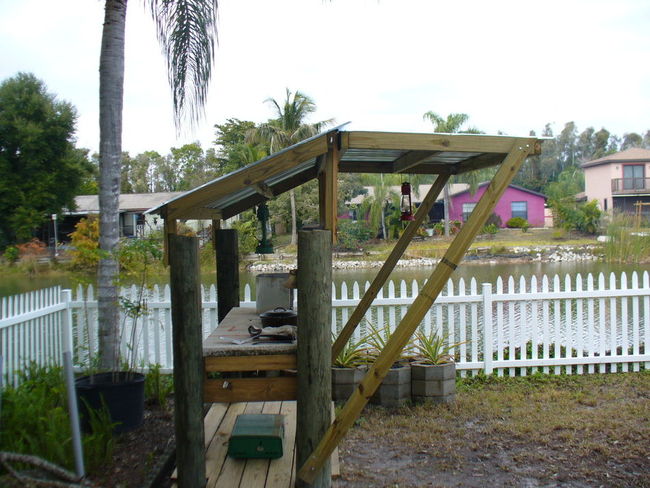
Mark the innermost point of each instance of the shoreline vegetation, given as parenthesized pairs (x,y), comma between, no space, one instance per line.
(508,246)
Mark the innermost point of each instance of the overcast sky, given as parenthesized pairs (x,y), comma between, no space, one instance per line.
(511,65)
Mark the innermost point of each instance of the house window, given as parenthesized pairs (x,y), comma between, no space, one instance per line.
(634,177)
(519,209)
(467,210)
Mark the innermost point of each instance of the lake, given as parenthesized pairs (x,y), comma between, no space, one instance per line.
(483,272)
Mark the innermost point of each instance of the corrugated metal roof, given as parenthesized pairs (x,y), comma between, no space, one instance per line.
(360,152)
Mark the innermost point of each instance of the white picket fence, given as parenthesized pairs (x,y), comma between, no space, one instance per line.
(573,325)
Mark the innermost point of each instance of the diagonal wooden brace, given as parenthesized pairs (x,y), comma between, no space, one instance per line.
(389,265)
(430,291)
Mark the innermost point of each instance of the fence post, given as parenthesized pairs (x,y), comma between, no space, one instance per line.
(487,328)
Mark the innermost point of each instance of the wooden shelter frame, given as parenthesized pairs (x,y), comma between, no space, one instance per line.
(323,157)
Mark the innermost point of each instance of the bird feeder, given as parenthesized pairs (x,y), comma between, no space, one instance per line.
(406,206)
(264,245)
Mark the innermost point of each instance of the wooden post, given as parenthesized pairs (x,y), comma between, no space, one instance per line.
(314,346)
(185,284)
(227,271)
(328,185)
(428,294)
(389,265)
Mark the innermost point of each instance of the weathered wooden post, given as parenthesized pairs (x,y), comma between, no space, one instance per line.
(187,339)
(227,271)
(314,347)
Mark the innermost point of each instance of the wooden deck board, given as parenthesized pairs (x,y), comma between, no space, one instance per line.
(225,472)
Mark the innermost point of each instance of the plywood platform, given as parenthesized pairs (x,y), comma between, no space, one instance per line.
(225,472)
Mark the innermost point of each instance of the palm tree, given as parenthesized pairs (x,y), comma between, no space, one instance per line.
(450,125)
(186,31)
(287,129)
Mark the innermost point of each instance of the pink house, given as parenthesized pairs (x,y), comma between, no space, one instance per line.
(620,180)
(516,202)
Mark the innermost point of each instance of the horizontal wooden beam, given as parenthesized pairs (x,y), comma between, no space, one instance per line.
(480,162)
(435,142)
(247,363)
(231,390)
(199,213)
(278,189)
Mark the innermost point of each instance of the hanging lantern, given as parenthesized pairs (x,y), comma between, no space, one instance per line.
(405,206)
(264,245)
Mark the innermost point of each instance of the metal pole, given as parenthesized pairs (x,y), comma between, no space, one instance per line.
(74,415)
(56,238)
(66,331)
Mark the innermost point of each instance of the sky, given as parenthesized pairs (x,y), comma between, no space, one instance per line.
(512,66)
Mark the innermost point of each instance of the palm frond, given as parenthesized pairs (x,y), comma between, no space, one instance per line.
(187,32)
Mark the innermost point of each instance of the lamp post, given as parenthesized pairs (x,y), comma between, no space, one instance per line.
(56,252)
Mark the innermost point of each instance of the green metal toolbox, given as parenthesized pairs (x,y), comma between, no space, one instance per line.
(257,436)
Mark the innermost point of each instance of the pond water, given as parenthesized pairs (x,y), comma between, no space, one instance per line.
(483,272)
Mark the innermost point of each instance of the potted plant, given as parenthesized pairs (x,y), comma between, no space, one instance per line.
(121,392)
(433,372)
(348,368)
(395,388)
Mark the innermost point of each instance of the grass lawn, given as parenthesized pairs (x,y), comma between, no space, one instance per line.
(573,431)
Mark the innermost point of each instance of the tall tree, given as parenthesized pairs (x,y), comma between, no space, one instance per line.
(453,123)
(40,169)
(631,139)
(186,31)
(286,129)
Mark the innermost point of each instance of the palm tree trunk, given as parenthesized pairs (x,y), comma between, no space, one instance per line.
(294,220)
(111,90)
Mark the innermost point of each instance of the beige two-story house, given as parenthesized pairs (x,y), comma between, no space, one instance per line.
(620,180)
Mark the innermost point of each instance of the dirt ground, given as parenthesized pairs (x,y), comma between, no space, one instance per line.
(569,431)
(565,431)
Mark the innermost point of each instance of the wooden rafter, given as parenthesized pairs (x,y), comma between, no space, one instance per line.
(409,160)
(258,173)
(517,153)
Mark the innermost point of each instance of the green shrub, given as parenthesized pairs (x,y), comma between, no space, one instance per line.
(517,223)
(494,219)
(247,234)
(490,229)
(352,234)
(158,386)
(11,255)
(34,420)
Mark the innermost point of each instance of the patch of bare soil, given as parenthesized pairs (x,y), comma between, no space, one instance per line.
(587,432)
(138,454)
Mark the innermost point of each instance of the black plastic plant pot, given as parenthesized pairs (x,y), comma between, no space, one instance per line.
(121,392)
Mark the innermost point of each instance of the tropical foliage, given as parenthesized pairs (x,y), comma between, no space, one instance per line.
(186,31)
(40,169)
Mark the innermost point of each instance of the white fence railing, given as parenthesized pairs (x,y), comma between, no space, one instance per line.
(574,325)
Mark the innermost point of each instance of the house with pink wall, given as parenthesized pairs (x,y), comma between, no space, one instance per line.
(515,202)
(620,180)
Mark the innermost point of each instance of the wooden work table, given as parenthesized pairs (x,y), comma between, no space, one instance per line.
(261,371)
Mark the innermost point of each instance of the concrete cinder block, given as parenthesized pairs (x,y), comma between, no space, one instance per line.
(433,387)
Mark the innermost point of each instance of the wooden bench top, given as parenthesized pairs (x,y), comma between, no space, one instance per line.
(235,326)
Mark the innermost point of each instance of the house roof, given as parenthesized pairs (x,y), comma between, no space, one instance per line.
(359,152)
(521,188)
(129,202)
(635,154)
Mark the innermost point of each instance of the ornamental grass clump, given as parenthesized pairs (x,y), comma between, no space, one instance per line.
(434,348)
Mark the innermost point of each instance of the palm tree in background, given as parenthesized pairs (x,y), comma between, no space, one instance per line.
(286,129)
(186,31)
(450,125)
